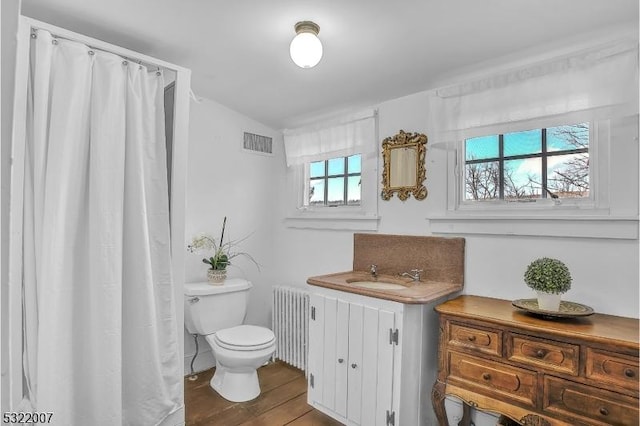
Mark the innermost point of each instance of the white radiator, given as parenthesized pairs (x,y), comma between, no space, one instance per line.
(291,325)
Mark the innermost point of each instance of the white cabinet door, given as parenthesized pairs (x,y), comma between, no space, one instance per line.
(316,345)
(377,366)
(342,353)
(351,360)
(329,353)
(369,366)
(354,375)
(384,388)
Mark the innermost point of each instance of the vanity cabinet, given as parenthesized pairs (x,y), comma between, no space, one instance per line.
(581,371)
(370,359)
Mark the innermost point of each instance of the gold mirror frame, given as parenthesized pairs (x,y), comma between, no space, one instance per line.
(403,140)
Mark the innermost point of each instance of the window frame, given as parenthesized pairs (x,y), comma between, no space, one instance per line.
(608,216)
(594,200)
(544,155)
(362,217)
(325,177)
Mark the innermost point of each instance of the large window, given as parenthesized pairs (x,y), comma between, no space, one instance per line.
(335,182)
(524,166)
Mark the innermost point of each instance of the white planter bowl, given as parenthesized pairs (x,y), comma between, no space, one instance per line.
(548,301)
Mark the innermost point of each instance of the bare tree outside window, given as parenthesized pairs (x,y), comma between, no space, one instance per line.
(482,181)
(540,163)
(572,179)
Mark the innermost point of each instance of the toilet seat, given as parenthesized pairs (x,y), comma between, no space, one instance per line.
(245,338)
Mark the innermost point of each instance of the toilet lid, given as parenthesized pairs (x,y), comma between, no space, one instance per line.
(245,337)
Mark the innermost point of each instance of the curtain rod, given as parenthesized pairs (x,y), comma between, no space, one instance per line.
(103,46)
(55,36)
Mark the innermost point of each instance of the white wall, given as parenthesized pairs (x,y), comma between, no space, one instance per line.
(9,13)
(494,263)
(224,180)
(251,191)
(605,271)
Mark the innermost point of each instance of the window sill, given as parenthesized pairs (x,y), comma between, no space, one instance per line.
(575,226)
(336,221)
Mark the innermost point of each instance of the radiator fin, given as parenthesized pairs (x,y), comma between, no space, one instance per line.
(291,325)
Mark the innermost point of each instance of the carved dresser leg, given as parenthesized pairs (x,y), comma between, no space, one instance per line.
(534,420)
(437,399)
(466,415)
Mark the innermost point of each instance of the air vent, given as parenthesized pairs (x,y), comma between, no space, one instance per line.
(257,143)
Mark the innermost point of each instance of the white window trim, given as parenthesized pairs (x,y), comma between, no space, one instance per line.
(306,188)
(596,226)
(363,217)
(598,147)
(579,218)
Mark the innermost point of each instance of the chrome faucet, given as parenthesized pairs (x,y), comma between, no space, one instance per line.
(415,276)
(374,270)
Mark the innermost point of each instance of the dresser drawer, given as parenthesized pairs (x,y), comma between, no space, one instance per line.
(612,368)
(492,377)
(475,339)
(587,404)
(544,354)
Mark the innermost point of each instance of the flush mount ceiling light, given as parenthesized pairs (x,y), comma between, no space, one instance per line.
(306,48)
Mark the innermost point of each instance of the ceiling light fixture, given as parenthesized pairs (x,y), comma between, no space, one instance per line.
(306,48)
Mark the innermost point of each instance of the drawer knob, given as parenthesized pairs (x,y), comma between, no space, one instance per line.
(354,365)
(340,360)
(540,353)
(471,338)
(629,372)
(604,411)
(486,376)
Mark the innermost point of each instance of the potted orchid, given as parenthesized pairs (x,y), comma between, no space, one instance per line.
(222,251)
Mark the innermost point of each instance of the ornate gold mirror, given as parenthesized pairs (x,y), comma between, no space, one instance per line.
(404,170)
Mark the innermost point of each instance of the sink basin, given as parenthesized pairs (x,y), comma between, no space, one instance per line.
(378,285)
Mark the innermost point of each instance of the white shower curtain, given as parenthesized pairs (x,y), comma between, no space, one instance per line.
(100,328)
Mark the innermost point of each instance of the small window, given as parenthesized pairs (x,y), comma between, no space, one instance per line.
(335,182)
(529,165)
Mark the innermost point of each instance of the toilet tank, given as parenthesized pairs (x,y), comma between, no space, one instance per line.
(209,308)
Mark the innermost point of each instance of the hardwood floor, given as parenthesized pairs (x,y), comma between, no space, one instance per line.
(283,401)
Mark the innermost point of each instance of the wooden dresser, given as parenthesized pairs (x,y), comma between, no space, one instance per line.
(581,371)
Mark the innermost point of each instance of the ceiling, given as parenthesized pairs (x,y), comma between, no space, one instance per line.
(374,50)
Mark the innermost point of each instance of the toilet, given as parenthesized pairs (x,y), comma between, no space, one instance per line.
(217,312)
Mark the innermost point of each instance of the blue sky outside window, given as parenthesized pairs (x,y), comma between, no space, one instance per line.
(538,163)
(316,169)
(529,142)
(482,147)
(336,181)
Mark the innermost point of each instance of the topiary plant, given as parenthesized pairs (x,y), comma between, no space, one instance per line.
(548,275)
